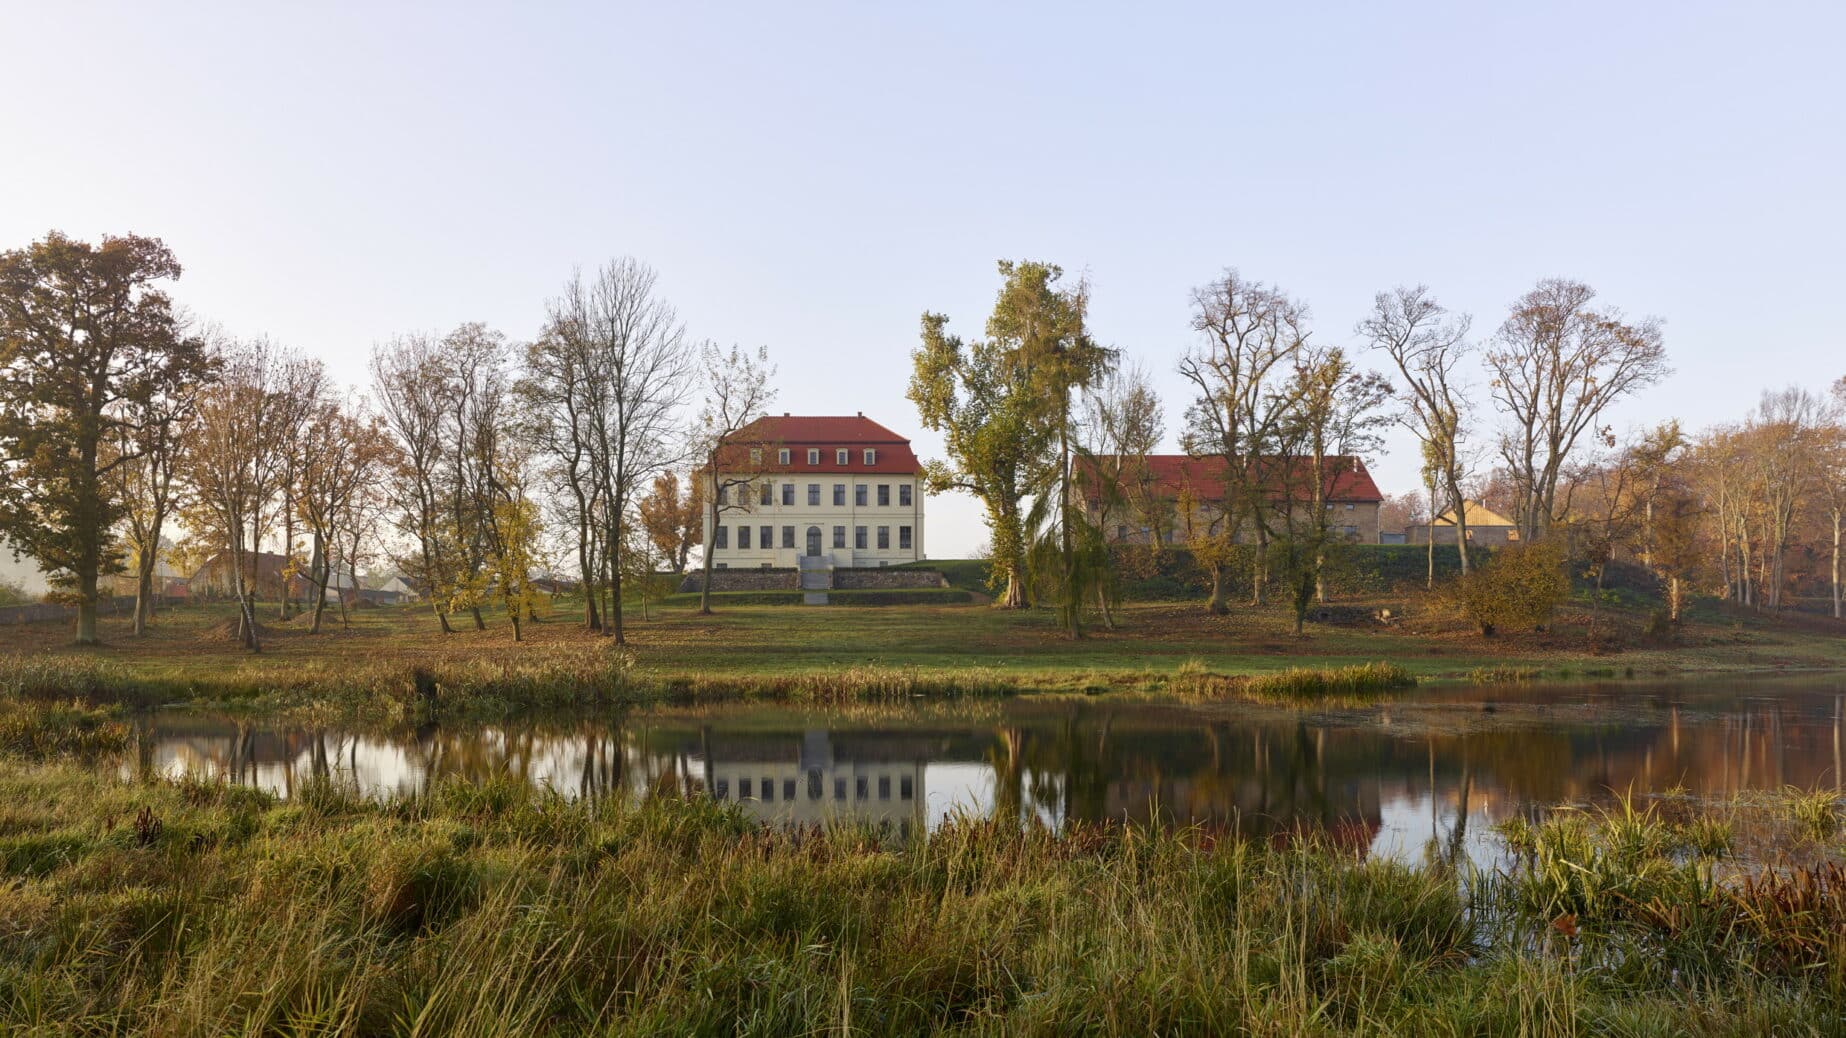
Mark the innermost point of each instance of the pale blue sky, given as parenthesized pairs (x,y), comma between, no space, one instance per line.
(812,177)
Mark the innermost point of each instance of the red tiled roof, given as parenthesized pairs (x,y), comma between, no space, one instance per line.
(826,433)
(1205,476)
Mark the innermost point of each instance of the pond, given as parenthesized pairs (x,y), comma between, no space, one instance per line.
(1429,773)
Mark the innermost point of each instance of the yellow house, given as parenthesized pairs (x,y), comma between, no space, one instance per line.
(1485,526)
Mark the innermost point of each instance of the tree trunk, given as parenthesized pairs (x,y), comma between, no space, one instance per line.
(86,608)
(1216,604)
(1102,603)
(717,514)
(144,592)
(1259,568)
(1837,604)
(1461,522)
(1015,595)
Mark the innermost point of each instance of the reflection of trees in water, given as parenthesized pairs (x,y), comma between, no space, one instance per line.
(1090,761)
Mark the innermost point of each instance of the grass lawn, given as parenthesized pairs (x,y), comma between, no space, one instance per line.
(191,648)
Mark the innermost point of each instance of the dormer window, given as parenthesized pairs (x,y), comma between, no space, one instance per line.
(782,456)
(813,455)
(871,456)
(842,456)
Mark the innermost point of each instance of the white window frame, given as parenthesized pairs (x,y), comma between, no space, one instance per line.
(782,456)
(842,456)
(813,455)
(756,455)
(871,456)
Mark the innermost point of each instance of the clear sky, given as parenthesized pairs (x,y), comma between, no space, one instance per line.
(812,177)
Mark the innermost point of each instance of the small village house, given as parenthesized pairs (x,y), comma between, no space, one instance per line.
(1485,527)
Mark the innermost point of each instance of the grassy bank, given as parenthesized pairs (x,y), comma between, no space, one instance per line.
(207,909)
(399,656)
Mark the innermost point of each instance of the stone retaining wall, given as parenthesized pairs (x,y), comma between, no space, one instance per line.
(744,580)
(865,578)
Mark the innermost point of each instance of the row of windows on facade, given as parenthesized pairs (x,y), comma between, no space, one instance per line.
(767,496)
(746,790)
(841,456)
(765,537)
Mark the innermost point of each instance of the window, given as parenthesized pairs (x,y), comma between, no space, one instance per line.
(884,495)
(858,538)
(858,494)
(1349,506)
(769,790)
(839,789)
(906,787)
(743,538)
(721,790)
(788,789)
(842,457)
(839,495)
(871,457)
(858,787)
(884,536)
(782,456)
(903,536)
(788,493)
(1121,533)
(766,538)
(813,494)
(720,565)
(744,789)
(723,493)
(769,494)
(884,787)
(720,540)
(903,494)
(839,537)
(813,456)
(788,537)
(756,455)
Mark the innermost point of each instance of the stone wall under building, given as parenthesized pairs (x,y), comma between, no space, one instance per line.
(856,579)
(773,579)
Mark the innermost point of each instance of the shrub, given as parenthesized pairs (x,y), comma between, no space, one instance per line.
(1518,587)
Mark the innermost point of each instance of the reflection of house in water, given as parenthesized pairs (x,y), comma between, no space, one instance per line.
(819,779)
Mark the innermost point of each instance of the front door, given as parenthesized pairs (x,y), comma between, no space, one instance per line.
(814,540)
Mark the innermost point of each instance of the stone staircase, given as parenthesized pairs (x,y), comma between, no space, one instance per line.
(816,579)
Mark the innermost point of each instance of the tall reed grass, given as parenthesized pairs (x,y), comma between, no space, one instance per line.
(496,909)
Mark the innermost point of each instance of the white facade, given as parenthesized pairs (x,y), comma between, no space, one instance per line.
(847,519)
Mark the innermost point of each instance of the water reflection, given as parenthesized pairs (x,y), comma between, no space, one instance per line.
(1414,780)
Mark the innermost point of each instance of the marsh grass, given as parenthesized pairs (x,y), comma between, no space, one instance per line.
(494,908)
(56,729)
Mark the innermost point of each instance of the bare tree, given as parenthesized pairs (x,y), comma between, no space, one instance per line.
(737,391)
(1428,345)
(301,390)
(148,450)
(232,461)
(1250,335)
(556,394)
(639,378)
(1557,363)
(413,392)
